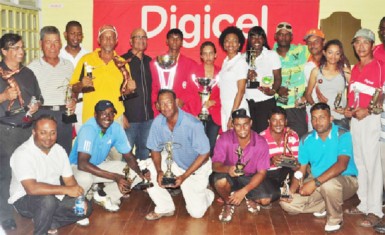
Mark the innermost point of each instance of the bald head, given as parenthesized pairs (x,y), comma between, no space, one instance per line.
(138,41)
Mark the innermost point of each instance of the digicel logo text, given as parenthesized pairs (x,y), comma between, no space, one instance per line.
(210,23)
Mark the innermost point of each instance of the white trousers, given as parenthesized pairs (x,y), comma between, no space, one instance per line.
(195,192)
(366,148)
(85,179)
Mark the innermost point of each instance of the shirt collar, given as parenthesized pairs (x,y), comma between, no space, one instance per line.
(181,114)
(332,130)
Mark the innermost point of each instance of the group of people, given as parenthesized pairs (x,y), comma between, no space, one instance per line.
(269,109)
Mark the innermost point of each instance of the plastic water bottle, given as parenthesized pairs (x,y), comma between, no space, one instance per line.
(79,206)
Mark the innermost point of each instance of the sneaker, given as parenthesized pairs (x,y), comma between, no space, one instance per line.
(83,222)
(99,199)
(320,214)
(333,228)
(106,202)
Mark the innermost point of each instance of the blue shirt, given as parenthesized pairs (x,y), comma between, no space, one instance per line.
(188,135)
(92,141)
(321,155)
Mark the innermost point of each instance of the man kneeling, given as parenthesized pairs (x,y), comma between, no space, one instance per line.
(328,151)
(37,166)
(241,146)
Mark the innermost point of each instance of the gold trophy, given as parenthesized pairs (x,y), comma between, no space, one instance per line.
(121,64)
(68,117)
(252,82)
(205,86)
(88,70)
(239,166)
(375,105)
(11,81)
(288,159)
(169,178)
(126,172)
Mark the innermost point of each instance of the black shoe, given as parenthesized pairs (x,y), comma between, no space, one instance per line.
(8,224)
(380,228)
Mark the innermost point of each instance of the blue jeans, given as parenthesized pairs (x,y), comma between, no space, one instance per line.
(137,135)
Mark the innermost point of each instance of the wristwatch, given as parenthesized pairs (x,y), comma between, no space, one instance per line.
(317,182)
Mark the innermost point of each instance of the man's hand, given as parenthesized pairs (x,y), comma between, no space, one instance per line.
(308,188)
(283,91)
(276,160)
(348,112)
(237,197)
(131,86)
(75,191)
(252,74)
(361,113)
(71,105)
(10,93)
(179,180)
(123,184)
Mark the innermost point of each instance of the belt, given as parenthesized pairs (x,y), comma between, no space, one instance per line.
(53,107)
(22,125)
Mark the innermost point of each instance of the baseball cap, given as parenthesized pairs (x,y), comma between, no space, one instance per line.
(239,113)
(284,25)
(366,33)
(314,32)
(103,105)
(107,27)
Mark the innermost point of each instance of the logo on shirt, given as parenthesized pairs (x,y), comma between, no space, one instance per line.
(87,146)
(184,85)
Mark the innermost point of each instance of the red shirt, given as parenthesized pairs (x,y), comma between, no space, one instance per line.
(183,86)
(379,52)
(214,110)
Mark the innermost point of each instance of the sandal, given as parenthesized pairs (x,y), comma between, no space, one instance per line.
(155,216)
(227,213)
(252,206)
(353,211)
(369,221)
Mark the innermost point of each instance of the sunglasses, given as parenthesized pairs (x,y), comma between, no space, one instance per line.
(286,26)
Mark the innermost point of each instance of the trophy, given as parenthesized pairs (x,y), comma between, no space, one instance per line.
(126,171)
(27,119)
(284,99)
(288,159)
(145,184)
(68,117)
(169,178)
(252,82)
(375,105)
(337,101)
(88,70)
(239,166)
(298,99)
(206,84)
(8,77)
(165,61)
(285,190)
(126,77)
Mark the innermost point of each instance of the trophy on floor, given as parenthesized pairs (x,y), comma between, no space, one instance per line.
(252,82)
(375,105)
(337,101)
(88,70)
(285,99)
(285,190)
(121,64)
(240,166)
(169,178)
(287,157)
(68,116)
(145,184)
(205,86)
(126,171)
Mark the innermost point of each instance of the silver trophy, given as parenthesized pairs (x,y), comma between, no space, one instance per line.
(205,85)
(337,101)
(166,61)
(68,116)
(240,166)
(169,178)
(285,190)
(252,82)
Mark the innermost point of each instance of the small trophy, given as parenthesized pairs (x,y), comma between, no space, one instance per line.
(126,171)
(284,99)
(205,85)
(288,159)
(252,82)
(285,190)
(166,61)
(88,70)
(298,99)
(68,117)
(126,77)
(27,119)
(337,101)
(169,178)
(375,105)
(239,166)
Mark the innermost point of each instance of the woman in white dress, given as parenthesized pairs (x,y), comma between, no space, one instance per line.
(233,75)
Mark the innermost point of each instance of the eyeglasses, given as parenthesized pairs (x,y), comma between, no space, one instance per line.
(286,26)
(138,37)
(16,48)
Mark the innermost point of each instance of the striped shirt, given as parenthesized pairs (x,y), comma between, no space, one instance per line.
(53,80)
(277,148)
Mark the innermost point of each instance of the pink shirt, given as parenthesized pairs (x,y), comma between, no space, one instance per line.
(379,52)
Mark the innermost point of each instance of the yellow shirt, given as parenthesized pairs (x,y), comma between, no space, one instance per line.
(107,81)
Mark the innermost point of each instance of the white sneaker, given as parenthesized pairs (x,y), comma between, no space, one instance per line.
(83,222)
(320,214)
(332,228)
(106,202)
(99,199)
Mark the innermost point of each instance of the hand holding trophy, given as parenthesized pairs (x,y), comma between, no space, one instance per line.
(287,158)
(69,116)
(375,105)
(121,64)
(88,70)
(239,166)
(169,178)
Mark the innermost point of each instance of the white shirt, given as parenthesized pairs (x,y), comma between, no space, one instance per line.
(265,63)
(29,162)
(74,60)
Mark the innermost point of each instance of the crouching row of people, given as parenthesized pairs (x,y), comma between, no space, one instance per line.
(38,165)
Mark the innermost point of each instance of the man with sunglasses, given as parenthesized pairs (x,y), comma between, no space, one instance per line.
(88,157)
(293,59)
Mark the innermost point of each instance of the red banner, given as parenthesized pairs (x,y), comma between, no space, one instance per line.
(201,20)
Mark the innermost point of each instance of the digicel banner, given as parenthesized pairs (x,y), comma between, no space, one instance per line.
(201,20)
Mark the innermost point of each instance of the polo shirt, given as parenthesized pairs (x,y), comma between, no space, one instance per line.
(92,141)
(255,155)
(188,136)
(321,155)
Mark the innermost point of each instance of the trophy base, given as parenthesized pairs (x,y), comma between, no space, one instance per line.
(203,116)
(88,89)
(16,111)
(68,118)
(252,84)
(143,185)
(127,97)
(283,100)
(289,162)
(168,181)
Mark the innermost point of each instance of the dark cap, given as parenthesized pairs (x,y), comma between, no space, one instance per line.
(240,113)
(103,105)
